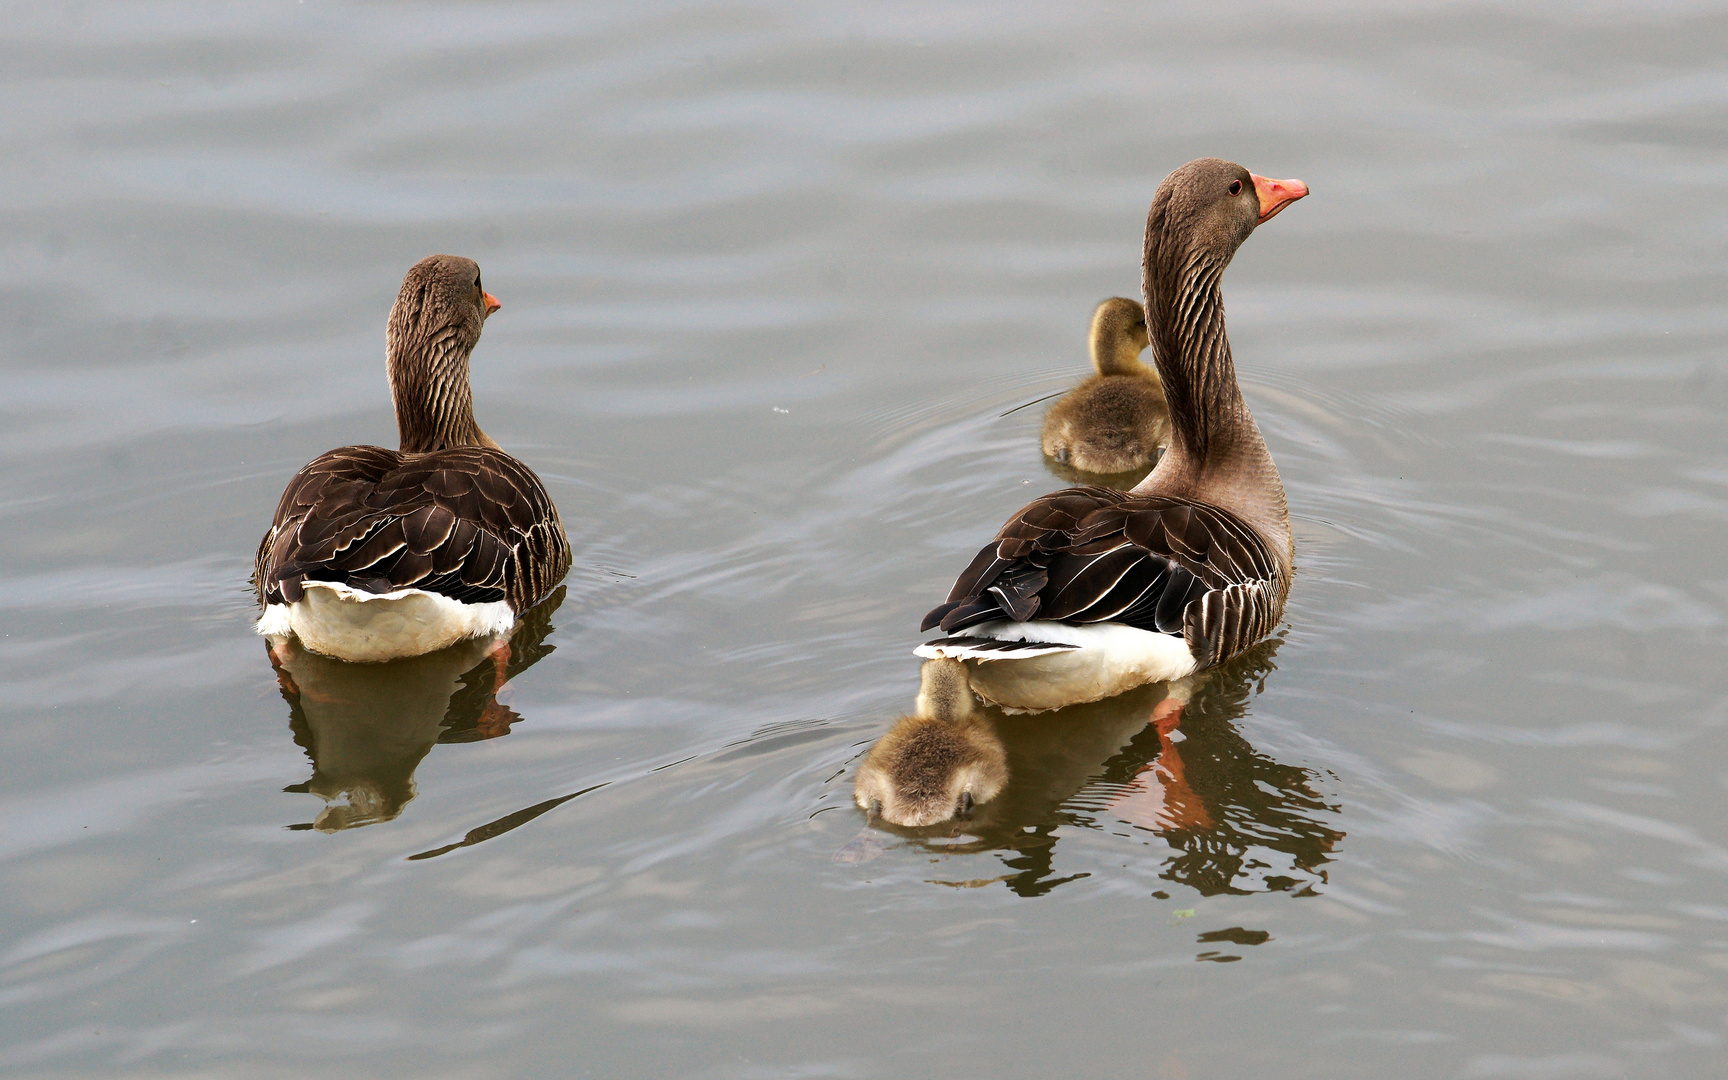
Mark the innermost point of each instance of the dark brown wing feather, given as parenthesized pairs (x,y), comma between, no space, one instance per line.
(1092,554)
(470,522)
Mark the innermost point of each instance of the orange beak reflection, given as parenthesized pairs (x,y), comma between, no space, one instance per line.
(1275,195)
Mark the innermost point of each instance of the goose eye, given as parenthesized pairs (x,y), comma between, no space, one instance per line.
(1235,187)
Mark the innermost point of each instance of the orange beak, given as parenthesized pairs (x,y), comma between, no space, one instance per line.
(493,303)
(1275,195)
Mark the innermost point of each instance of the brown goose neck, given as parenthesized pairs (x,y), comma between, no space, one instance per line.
(1185,321)
(1217,454)
(434,402)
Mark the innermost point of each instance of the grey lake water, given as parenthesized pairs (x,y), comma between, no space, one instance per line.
(776,277)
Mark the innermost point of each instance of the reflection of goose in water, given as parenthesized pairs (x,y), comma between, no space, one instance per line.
(366,728)
(1167,768)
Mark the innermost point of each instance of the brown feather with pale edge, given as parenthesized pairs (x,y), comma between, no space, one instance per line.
(450,513)
(470,523)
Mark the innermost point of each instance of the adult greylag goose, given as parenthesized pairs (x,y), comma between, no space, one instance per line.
(380,554)
(1115,421)
(937,763)
(1088,591)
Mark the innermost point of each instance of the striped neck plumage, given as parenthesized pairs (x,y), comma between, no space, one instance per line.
(1185,321)
(434,402)
(1217,454)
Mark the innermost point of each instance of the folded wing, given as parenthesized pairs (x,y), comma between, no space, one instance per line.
(471,523)
(1091,554)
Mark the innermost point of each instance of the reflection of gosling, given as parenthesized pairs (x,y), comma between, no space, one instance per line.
(937,763)
(1114,421)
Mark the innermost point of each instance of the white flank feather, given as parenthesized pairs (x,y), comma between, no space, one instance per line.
(352,624)
(1108,659)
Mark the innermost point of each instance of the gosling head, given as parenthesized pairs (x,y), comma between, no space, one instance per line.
(936,764)
(1118,336)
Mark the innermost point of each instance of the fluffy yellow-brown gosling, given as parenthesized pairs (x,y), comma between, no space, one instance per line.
(937,763)
(1114,421)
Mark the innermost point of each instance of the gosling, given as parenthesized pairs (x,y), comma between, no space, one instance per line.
(1117,420)
(937,763)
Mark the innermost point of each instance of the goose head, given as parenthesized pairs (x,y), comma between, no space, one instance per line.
(433,328)
(1203,211)
(1200,215)
(937,763)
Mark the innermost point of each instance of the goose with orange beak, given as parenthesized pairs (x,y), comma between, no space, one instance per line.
(379,554)
(1088,592)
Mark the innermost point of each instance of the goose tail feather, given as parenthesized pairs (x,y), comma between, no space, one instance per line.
(982,648)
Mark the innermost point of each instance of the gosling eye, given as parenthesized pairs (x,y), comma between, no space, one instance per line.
(964,810)
(1235,187)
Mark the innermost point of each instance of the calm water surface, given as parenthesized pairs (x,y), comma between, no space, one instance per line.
(771,279)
